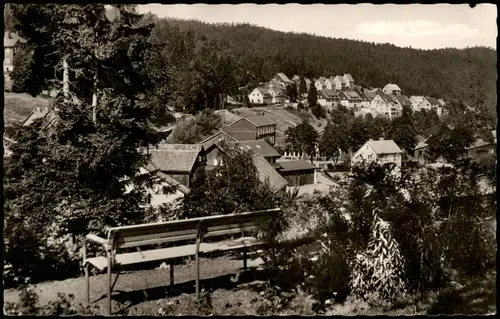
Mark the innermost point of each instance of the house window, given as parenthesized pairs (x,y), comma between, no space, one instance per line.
(370,156)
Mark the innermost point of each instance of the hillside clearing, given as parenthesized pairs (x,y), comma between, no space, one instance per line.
(18,106)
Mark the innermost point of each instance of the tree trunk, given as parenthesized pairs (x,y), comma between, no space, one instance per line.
(65,78)
(94,99)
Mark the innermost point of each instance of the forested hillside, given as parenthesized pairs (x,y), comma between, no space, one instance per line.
(258,53)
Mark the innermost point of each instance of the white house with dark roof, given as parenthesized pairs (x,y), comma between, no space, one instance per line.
(419,103)
(350,99)
(381,151)
(260,95)
(320,83)
(391,88)
(339,82)
(384,105)
(349,80)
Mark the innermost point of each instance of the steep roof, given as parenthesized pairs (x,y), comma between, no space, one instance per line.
(296,78)
(174,157)
(480,143)
(402,99)
(258,147)
(349,77)
(283,77)
(11,38)
(241,135)
(384,147)
(391,87)
(260,120)
(352,95)
(264,91)
(339,78)
(266,172)
(420,145)
(385,97)
(433,101)
(370,95)
(329,93)
(298,165)
(211,140)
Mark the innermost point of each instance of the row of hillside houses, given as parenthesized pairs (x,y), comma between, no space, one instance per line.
(342,90)
(338,82)
(388,102)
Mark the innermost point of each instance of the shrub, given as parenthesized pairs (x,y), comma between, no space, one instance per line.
(378,271)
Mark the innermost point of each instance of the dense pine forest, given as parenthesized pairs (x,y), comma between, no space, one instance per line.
(259,53)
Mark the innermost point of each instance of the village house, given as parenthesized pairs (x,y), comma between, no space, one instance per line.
(265,171)
(260,95)
(350,99)
(367,97)
(155,194)
(482,148)
(12,44)
(419,103)
(381,151)
(320,83)
(328,98)
(297,173)
(349,81)
(253,128)
(339,82)
(392,89)
(282,79)
(178,161)
(383,104)
(259,147)
(420,152)
(402,101)
(278,94)
(211,151)
(329,84)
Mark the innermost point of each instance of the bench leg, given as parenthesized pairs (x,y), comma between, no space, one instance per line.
(109,284)
(171,274)
(197,276)
(87,282)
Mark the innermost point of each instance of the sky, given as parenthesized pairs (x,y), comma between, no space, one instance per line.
(413,25)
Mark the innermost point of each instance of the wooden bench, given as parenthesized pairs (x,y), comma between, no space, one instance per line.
(179,231)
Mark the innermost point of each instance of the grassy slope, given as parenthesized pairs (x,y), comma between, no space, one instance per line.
(18,107)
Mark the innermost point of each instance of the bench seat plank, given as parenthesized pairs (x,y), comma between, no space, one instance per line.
(176,252)
(231,244)
(145,256)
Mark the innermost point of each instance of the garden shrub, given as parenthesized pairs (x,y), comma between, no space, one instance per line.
(378,271)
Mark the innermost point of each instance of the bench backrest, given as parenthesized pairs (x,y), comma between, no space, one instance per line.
(189,229)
